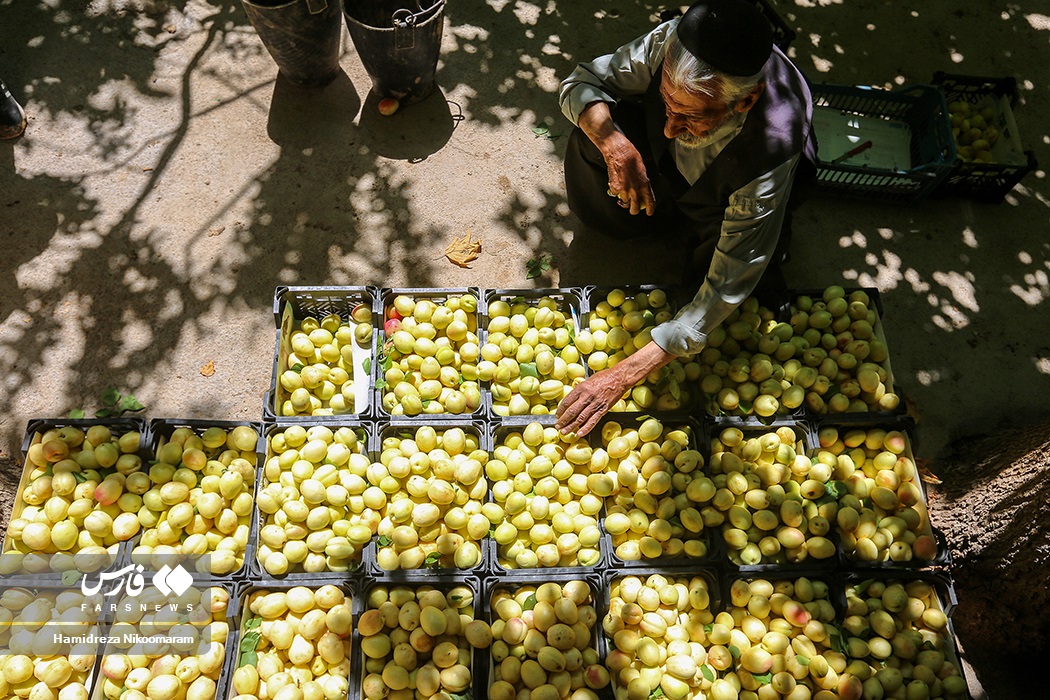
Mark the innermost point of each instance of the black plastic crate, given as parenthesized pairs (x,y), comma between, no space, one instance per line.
(712,584)
(917,114)
(515,583)
(879,334)
(161,429)
(804,438)
(674,387)
(190,603)
(408,430)
(48,572)
(445,584)
(975,179)
(363,433)
(293,304)
(499,564)
(383,306)
(570,301)
(698,442)
(906,426)
(241,615)
(943,598)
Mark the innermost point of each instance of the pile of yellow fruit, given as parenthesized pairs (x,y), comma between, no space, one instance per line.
(974,131)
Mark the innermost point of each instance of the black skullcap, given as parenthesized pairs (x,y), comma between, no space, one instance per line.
(731,36)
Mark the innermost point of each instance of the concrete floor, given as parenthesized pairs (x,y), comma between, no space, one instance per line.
(169,180)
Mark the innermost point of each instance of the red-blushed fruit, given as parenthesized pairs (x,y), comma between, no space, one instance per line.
(392,326)
(388,105)
(392,312)
(925,547)
(108,492)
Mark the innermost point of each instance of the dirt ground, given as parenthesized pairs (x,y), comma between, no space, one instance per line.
(169,180)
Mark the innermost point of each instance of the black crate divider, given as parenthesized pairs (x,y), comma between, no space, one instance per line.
(319,302)
(385,429)
(832,578)
(441,582)
(386,300)
(257,573)
(36,427)
(570,299)
(984,182)
(162,428)
(906,425)
(491,552)
(519,579)
(715,548)
(237,618)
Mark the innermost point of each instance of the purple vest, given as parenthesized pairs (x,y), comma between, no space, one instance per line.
(777,128)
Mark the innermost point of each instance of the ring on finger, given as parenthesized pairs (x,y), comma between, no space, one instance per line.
(623,203)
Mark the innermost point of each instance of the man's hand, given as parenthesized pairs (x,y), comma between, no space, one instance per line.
(585,405)
(589,401)
(628,180)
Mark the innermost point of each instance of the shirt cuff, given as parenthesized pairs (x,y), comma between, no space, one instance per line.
(679,339)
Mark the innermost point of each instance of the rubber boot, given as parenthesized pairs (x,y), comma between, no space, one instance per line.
(12,116)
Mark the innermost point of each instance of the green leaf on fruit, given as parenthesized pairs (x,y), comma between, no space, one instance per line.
(69,578)
(708,629)
(676,391)
(745,407)
(735,651)
(81,478)
(366,365)
(250,641)
(530,603)
(298,367)
(426,402)
(707,672)
(929,646)
(802,660)
(658,693)
(433,560)
(384,541)
(528,369)
(130,403)
(835,489)
(77,413)
(380,383)
(861,588)
(249,658)
(110,396)
(252,622)
(492,532)
(465,695)
(763,678)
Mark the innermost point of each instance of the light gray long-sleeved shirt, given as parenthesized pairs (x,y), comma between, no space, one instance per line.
(753,218)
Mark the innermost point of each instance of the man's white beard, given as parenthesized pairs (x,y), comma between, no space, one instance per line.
(688,140)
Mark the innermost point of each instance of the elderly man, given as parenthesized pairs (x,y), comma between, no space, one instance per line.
(696,130)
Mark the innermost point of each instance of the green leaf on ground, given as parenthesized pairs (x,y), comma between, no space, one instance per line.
(110,396)
(130,403)
(535,267)
(77,413)
(104,413)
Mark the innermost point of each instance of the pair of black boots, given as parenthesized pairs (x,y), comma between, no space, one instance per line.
(12,116)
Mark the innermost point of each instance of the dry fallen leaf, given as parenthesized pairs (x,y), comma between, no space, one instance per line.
(925,473)
(463,250)
(208,369)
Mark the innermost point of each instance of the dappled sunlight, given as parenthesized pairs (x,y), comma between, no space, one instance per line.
(1033,288)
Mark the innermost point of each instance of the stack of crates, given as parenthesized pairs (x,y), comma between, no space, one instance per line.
(665,502)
